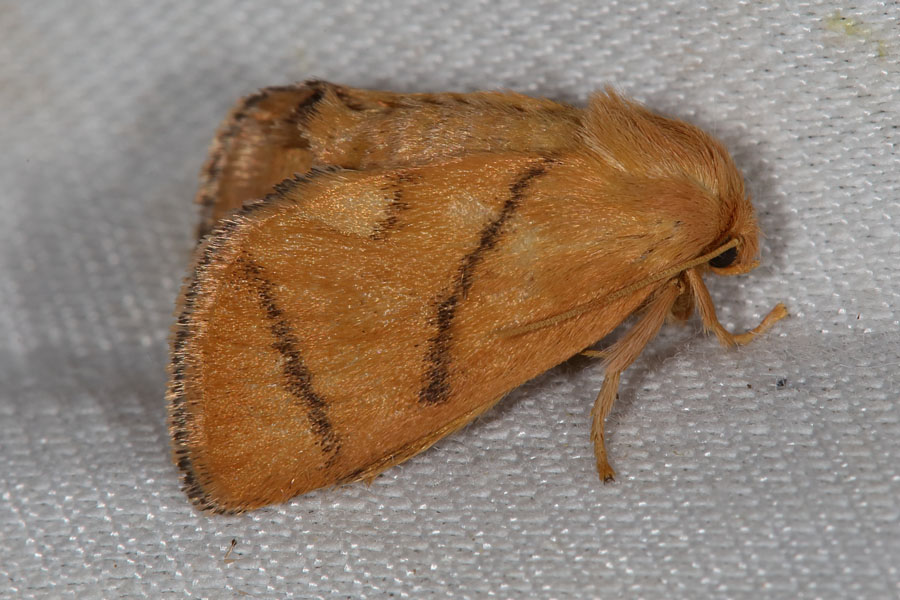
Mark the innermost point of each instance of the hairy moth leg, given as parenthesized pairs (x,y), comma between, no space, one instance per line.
(707,311)
(619,356)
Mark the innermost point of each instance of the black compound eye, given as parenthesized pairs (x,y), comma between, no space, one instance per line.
(725,259)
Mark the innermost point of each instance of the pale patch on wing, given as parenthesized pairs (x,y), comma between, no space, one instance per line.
(351,203)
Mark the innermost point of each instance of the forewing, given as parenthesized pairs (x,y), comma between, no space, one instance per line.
(284,131)
(352,319)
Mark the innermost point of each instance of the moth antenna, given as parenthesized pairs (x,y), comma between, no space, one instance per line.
(610,298)
(595,353)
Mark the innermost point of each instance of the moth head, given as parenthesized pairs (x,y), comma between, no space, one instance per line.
(635,144)
(741,232)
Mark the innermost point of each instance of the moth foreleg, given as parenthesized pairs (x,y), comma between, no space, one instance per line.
(707,311)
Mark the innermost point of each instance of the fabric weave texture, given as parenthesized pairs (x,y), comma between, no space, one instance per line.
(768,471)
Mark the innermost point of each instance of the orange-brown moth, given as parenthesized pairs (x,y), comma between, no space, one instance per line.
(378,269)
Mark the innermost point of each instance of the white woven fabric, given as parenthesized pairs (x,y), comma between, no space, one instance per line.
(732,485)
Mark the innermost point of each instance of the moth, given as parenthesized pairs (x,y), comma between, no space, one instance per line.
(378,269)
